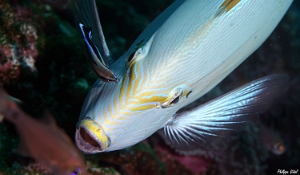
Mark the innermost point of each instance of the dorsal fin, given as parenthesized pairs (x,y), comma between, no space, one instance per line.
(155,25)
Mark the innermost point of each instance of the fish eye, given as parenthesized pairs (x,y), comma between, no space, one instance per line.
(140,52)
(174,99)
(133,56)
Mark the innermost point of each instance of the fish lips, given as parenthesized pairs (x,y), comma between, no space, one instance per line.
(90,137)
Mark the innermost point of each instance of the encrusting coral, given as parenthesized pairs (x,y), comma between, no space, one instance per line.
(18,37)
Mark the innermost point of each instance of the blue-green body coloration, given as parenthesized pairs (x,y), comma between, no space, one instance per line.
(183,54)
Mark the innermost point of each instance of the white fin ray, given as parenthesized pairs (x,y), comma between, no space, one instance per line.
(192,130)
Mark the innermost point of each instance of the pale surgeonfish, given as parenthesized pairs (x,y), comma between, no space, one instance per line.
(42,139)
(179,57)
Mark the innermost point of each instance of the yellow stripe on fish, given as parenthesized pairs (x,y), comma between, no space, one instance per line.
(130,96)
(229,4)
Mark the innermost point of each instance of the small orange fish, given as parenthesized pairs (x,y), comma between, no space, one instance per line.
(44,141)
(272,140)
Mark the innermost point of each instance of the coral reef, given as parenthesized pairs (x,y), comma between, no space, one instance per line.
(18,36)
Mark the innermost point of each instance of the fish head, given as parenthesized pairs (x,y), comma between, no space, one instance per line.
(118,115)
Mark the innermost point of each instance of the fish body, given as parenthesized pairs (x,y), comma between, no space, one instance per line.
(43,140)
(182,55)
(272,140)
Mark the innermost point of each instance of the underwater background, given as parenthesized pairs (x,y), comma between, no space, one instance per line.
(44,63)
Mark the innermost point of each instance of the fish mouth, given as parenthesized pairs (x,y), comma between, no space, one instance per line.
(86,143)
(90,137)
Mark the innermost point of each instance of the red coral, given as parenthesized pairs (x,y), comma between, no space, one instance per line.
(9,68)
(18,38)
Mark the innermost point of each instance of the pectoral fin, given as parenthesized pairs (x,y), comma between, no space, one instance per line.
(192,130)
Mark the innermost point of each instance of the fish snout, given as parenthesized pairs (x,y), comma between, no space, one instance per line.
(90,137)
